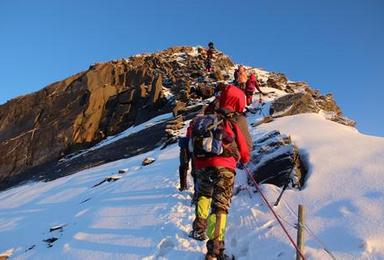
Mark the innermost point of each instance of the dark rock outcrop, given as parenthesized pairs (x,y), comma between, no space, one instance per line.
(106,99)
(292,104)
(134,144)
(309,102)
(275,160)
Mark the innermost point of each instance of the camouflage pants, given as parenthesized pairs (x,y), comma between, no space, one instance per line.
(215,194)
(216,183)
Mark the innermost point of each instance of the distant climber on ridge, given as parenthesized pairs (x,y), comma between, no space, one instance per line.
(210,55)
(250,87)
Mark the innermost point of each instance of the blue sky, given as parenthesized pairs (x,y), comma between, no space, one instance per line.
(334,45)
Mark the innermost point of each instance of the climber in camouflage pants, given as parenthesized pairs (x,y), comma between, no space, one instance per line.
(216,189)
(216,174)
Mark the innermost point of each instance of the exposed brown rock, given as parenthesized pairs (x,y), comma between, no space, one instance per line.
(309,102)
(147,161)
(156,89)
(205,91)
(178,108)
(293,104)
(327,103)
(83,109)
(277,80)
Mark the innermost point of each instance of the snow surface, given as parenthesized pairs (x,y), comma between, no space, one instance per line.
(142,215)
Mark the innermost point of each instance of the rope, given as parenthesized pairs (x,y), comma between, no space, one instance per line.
(274,213)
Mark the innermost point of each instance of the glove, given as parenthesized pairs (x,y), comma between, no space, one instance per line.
(240,166)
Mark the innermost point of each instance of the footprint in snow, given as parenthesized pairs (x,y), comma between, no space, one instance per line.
(50,241)
(165,246)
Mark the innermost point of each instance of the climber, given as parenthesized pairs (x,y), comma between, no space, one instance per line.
(241,77)
(216,174)
(250,87)
(184,157)
(235,76)
(210,56)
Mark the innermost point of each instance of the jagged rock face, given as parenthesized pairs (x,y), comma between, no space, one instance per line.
(309,102)
(87,107)
(34,127)
(292,104)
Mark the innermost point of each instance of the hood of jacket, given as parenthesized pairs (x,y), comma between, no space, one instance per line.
(233,99)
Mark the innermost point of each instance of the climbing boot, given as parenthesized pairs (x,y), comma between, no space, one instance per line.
(195,234)
(222,256)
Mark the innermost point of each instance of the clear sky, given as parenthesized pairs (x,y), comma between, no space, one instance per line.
(336,46)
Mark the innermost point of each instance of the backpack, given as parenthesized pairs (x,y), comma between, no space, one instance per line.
(208,137)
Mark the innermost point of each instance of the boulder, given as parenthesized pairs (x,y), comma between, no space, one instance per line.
(277,80)
(292,104)
(178,108)
(148,161)
(275,160)
(309,102)
(217,75)
(205,91)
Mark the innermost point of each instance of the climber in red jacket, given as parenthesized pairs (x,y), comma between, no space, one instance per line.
(250,87)
(216,174)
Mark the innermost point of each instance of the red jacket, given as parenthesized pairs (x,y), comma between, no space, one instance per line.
(233,99)
(251,85)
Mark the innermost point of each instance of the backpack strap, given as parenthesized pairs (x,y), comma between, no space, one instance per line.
(231,149)
(216,123)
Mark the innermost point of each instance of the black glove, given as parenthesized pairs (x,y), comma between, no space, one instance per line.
(240,166)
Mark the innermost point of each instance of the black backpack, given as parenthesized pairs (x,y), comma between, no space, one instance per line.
(209,138)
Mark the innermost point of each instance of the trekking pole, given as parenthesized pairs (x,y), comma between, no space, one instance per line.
(281,194)
(286,185)
(273,212)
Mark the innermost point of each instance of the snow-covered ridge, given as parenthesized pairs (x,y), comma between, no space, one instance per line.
(142,215)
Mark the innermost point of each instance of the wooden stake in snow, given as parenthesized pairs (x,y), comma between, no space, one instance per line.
(300,232)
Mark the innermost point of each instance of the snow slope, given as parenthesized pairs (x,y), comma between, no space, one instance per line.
(142,215)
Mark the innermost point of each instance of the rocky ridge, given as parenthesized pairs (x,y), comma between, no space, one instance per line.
(37,130)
